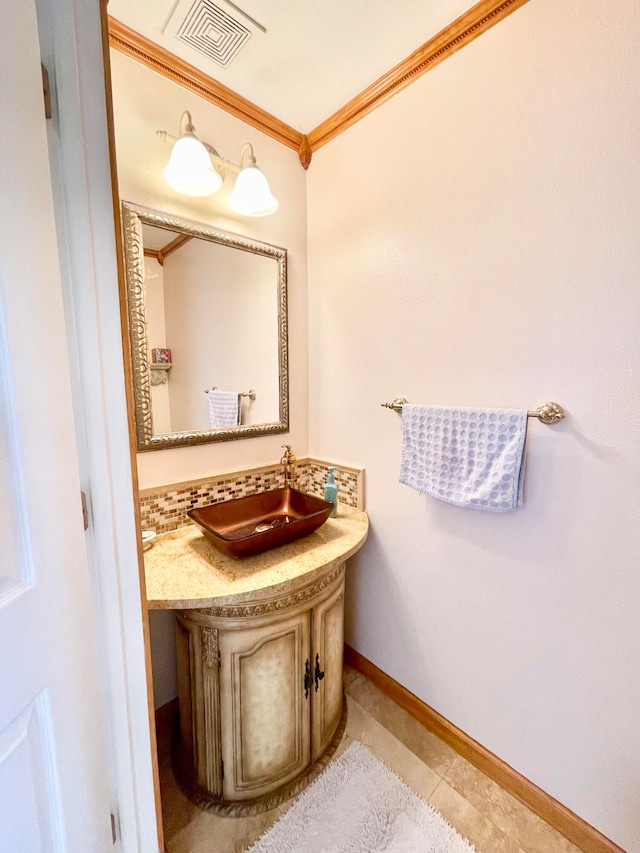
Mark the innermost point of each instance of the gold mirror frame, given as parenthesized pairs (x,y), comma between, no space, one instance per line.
(132,217)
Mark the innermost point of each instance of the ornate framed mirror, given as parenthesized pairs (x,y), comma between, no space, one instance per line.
(208,327)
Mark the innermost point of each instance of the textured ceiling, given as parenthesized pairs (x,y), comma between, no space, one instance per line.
(314,57)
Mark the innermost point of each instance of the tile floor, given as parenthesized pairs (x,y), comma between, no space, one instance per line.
(493,820)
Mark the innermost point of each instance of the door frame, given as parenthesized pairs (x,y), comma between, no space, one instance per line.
(74,45)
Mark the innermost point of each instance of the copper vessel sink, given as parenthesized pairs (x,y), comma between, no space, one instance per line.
(254,524)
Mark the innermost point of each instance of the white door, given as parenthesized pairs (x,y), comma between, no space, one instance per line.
(53,779)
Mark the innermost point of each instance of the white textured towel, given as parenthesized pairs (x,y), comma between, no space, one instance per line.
(224,409)
(468,457)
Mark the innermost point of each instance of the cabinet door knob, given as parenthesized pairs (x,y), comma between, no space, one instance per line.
(318,675)
(308,681)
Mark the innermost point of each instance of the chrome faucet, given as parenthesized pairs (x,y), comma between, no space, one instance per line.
(288,462)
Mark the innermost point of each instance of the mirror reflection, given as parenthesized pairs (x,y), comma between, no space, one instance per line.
(207,312)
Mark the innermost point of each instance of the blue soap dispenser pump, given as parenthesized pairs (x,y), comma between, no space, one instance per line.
(331,491)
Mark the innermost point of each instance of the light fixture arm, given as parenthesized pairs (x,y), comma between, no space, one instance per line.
(186,123)
(248,147)
(165,136)
(220,161)
(186,126)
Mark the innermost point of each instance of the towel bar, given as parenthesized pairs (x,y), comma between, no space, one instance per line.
(251,393)
(548,413)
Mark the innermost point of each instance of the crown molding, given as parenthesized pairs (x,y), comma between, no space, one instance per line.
(463,30)
(131,43)
(466,28)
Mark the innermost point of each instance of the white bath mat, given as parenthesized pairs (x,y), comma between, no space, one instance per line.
(357,805)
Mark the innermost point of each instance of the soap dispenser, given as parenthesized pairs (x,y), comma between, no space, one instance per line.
(331,491)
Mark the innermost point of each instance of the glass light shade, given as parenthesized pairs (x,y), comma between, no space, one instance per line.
(190,170)
(251,195)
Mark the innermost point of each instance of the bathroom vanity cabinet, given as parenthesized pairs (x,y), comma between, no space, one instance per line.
(259,663)
(260,690)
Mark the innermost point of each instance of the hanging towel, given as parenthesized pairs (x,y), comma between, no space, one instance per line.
(472,458)
(224,409)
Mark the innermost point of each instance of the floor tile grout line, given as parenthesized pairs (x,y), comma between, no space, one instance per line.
(508,832)
(401,745)
(439,773)
(440,781)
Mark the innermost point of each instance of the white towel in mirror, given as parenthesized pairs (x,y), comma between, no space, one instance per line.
(224,409)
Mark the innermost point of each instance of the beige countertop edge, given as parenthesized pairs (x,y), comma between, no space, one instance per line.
(184,571)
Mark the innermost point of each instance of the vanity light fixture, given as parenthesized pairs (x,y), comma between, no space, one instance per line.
(196,169)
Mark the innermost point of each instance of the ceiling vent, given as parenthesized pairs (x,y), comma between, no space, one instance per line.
(213,29)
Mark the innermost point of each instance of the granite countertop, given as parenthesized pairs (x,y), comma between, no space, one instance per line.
(183,570)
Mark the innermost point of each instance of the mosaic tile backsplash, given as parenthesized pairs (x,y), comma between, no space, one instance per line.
(165,508)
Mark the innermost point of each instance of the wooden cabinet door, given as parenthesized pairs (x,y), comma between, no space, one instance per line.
(265,715)
(327,650)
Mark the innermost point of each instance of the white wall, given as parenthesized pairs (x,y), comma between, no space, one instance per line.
(145,102)
(222,328)
(475,241)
